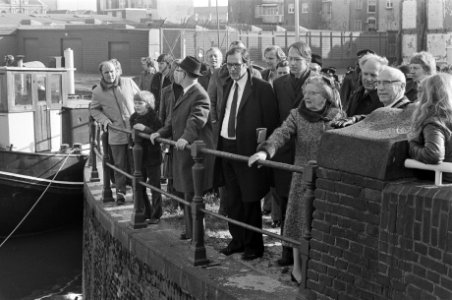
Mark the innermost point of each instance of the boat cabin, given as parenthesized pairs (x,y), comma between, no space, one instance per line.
(31,101)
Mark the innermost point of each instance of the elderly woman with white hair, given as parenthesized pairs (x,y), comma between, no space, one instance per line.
(306,125)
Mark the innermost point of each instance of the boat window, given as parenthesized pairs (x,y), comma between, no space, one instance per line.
(55,88)
(41,87)
(22,83)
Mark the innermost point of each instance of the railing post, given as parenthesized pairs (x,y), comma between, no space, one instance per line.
(309,176)
(107,195)
(199,249)
(138,219)
(92,154)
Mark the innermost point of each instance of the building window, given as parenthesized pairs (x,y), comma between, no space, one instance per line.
(326,8)
(371,6)
(291,8)
(359,4)
(389,4)
(358,25)
(372,24)
(305,8)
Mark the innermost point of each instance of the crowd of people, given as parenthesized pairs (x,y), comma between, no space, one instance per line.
(279,113)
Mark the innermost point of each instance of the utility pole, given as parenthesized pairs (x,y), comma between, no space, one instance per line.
(218,24)
(421,12)
(297,21)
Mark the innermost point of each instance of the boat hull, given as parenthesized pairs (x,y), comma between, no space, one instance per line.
(24,177)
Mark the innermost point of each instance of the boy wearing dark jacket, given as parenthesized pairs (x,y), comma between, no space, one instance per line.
(146,119)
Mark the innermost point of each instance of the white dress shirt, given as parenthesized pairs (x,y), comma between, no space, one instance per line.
(241,86)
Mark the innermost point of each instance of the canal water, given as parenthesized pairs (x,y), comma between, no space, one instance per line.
(43,266)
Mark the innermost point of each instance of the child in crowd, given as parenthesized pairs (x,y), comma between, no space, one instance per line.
(145,119)
(431,134)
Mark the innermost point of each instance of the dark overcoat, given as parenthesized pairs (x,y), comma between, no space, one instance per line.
(156,87)
(363,102)
(287,99)
(257,109)
(190,121)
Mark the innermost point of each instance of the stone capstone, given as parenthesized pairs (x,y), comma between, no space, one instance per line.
(376,147)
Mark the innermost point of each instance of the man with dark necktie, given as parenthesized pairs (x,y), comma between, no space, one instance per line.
(248,103)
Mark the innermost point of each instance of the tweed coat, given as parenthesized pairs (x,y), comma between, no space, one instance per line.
(114,104)
(190,120)
(287,99)
(170,94)
(257,109)
(307,139)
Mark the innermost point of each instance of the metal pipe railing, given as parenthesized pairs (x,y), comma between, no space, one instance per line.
(198,151)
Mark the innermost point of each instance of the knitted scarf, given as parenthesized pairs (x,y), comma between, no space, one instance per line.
(314,116)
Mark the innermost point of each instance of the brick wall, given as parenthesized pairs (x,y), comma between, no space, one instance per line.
(373,239)
(112,272)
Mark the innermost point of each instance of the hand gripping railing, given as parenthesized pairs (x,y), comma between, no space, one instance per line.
(198,151)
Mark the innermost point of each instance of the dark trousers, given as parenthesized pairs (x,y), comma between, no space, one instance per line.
(247,212)
(151,174)
(120,159)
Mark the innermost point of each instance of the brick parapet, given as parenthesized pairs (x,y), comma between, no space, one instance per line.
(373,239)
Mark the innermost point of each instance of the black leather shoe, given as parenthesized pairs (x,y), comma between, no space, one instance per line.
(230,250)
(120,198)
(286,258)
(251,255)
(184,237)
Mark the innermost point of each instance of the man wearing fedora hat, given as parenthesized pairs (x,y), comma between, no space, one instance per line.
(190,121)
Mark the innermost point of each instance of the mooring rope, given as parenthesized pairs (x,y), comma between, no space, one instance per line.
(37,201)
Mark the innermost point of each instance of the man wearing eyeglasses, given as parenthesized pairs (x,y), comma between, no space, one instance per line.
(289,93)
(248,104)
(391,84)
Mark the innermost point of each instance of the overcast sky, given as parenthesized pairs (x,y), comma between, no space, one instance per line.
(206,2)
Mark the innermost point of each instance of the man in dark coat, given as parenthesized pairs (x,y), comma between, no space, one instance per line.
(352,80)
(288,92)
(161,78)
(189,122)
(365,99)
(215,91)
(248,104)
